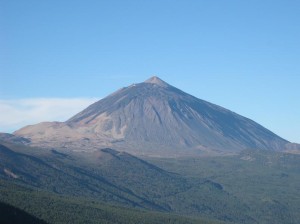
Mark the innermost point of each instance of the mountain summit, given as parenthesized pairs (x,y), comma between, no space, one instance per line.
(157,81)
(154,118)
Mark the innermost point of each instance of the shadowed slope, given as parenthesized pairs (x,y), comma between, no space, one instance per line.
(10,214)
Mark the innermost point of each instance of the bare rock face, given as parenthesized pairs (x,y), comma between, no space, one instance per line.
(154,118)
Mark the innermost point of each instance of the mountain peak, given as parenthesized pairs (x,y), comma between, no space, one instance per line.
(157,81)
(154,119)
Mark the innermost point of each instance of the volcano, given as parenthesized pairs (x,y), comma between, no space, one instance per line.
(156,119)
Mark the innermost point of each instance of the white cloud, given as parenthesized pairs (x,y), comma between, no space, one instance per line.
(15,114)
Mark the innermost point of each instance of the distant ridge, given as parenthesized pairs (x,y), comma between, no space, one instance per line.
(154,118)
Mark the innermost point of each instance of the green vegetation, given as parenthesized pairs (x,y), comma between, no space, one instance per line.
(123,179)
(252,187)
(267,183)
(60,209)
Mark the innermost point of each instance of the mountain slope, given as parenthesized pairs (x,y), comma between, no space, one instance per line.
(122,179)
(154,118)
(65,174)
(57,209)
(5,137)
(254,186)
(11,214)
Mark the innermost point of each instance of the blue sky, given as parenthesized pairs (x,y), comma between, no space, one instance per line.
(242,55)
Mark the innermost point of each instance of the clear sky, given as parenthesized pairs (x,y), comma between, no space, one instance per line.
(58,56)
